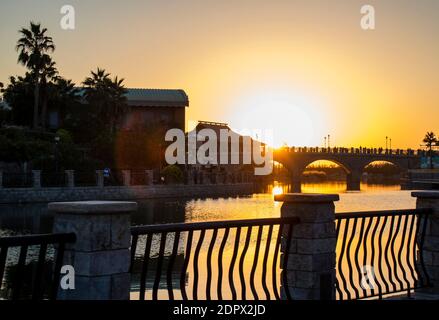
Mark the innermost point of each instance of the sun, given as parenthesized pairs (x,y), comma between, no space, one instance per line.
(289,120)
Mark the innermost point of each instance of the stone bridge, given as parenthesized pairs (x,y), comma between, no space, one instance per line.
(352,160)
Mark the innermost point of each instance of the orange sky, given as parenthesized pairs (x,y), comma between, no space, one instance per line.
(303,69)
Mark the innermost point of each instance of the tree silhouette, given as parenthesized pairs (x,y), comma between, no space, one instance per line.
(34,47)
(107,96)
(430,140)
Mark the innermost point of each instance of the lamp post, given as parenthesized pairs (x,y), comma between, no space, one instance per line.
(387,138)
(56,153)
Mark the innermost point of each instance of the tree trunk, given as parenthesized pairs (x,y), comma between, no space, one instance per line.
(44,110)
(36,101)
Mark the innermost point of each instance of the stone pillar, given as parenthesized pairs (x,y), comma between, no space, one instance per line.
(100,178)
(36,178)
(101,254)
(126,177)
(311,258)
(149,177)
(70,178)
(430,250)
(353,181)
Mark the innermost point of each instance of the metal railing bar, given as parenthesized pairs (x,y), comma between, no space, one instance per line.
(209,263)
(32,240)
(171,265)
(158,273)
(185,265)
(232,262)
(173,227)
(220,263)
(255,263)
(362,214)
(265,261)
(195,264)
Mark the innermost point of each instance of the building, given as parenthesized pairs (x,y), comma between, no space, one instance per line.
(155,107)
(148,108)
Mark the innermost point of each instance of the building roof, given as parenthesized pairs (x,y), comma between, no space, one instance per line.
(157,97)
(138,97)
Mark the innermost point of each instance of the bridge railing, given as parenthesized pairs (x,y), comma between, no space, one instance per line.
(359,151)
(380,253)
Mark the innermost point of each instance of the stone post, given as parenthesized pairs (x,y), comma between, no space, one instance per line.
(149,177)
(430,250)
(296,180)
(101,254)
(353,181)
(126,177)
(70,178)
(311,258)
(36,178)
(100,178)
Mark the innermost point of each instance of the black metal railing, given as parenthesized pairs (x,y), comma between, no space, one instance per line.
(114,178)
(17,180)
(211,260)
(85,178)
(138,177)
(53,179)
(30,265)
(380,253)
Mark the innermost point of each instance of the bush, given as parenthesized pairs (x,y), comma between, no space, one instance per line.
(64,136)
(172,174)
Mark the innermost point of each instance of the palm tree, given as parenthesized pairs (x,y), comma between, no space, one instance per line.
(64,95)
(107,96)
(48,73)
(34,47)
(430,140)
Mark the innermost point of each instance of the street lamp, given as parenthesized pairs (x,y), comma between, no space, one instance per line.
(56,153)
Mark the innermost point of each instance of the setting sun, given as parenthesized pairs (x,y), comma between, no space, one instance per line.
(290,117)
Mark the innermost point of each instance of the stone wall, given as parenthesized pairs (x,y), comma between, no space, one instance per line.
(26,195)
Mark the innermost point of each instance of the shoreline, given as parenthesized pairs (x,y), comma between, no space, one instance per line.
(41,195)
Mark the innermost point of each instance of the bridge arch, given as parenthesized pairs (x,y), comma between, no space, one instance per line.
(352,160)
(343,166)
(376,171)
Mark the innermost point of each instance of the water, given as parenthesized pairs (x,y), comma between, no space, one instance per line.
(34,218)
